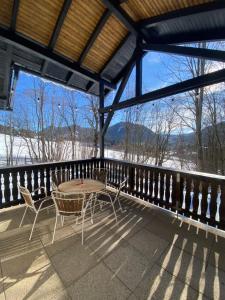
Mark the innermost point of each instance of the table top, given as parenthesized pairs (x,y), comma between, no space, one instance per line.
(88,186)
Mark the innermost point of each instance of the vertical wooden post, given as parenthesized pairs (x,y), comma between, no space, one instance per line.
(138,86)
(101,119)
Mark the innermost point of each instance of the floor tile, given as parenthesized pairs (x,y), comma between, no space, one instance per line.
(161,285)
(128,264)
(73,262)
(99,283)
(41,284)
(148,244)
(186,267)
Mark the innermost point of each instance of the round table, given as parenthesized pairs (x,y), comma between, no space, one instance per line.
(75,186)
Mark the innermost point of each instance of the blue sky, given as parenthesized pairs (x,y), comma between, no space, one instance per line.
(155,75)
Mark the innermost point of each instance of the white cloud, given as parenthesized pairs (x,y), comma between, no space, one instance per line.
(153,58)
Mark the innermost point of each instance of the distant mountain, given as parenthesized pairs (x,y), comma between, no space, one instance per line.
(117,133)
(189,138)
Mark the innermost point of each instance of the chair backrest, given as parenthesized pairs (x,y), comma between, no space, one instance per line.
(26,196)
(68,203)
(60,176)
(100,174)
(121,186)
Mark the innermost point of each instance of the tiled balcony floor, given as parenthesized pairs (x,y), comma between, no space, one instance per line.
(148,255)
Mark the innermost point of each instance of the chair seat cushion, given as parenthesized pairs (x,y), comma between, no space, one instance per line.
(47,203)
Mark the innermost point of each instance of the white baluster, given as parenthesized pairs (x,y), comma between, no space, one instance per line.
(218,203)
(192,197)
(164,188)
(153,186)
(25,179)
(11,187)
(45,179)
(199,212)
(70,173)
(18,184)
(184,195)
(208,202)
(32,181)
(50,178)
(159,185)
(39,182)
(139,181)
(171,188)
(3,188)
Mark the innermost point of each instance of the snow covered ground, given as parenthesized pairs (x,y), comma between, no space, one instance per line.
(21,152)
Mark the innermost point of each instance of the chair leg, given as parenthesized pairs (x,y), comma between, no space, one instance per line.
(113,208)
(82,229)
(35,219)
(93,211)
(21,222)
(122,210)
(53,237)
(62,220)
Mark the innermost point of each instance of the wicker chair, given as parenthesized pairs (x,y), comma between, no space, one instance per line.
(58,177)
(68,204)
(35,206)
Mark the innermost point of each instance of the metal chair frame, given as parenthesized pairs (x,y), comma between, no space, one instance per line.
(30,204)
(62,213)
(112,202)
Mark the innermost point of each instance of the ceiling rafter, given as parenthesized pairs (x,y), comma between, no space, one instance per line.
(15,9)
(183,12)
(94,35)
(209,54)
(46,54)
(56,31)
(115,8)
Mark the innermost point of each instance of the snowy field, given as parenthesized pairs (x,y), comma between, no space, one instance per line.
(21,152)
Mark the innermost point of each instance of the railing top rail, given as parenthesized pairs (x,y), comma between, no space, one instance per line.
(181,172)
(45,164)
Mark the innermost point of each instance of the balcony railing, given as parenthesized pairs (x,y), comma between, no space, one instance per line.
(200,196)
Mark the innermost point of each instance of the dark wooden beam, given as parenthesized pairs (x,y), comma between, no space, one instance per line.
(184,12)
(94,35)
(15,9)
(69,78)
(44,67)
(138,83)
(35,49)
(181,87)
(59,23)
(118,95)
(209,54)
(101,119)
(115,8)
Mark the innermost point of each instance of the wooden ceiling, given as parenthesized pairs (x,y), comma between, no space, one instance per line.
(37,19)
